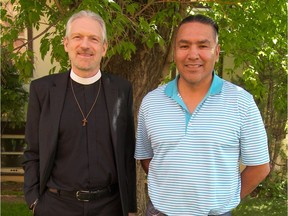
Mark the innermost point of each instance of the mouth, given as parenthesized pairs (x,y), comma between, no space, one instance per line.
(85,55)
(193,65)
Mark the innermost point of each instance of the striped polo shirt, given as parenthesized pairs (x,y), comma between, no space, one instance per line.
(195,157)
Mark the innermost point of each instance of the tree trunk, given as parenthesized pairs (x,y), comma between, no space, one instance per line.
(145,71)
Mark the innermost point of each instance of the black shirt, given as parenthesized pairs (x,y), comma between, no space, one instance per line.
(85,157)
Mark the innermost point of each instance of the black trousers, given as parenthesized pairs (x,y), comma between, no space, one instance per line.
(51,204)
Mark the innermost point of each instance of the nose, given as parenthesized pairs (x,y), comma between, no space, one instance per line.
(193,53)
(85,42)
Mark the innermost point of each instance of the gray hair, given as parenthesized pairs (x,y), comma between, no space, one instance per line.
(87,13)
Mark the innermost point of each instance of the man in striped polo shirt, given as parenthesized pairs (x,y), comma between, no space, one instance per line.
(194,131)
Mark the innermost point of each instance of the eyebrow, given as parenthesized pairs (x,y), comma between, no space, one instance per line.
(89,35)
(204,42)
(183,41)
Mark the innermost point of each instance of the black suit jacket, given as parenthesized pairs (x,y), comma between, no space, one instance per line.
(45,105)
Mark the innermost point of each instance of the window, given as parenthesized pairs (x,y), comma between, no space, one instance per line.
(12,147)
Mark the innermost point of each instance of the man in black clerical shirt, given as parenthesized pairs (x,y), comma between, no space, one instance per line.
(80,133)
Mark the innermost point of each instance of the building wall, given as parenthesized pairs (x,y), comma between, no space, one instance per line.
(41,66)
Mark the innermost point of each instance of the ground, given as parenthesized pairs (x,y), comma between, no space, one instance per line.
(12,191)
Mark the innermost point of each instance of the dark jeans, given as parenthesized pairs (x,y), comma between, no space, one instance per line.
(152,211)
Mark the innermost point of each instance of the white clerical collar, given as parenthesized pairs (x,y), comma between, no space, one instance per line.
(85,81)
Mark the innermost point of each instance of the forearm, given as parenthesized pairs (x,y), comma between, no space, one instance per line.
(251,176)
(145,165)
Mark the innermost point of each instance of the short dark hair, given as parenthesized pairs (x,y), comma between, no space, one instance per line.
(201,19)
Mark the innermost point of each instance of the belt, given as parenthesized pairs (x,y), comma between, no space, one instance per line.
(87,195)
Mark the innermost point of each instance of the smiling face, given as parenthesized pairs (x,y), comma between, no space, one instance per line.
(195,53)
(85,46)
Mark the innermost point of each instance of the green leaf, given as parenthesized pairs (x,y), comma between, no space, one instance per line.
(132,8)
(44,47)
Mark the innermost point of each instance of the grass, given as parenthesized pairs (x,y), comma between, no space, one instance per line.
(14,209)
(12,201)
(261,206)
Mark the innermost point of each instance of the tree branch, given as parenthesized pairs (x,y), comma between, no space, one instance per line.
(144,8)
(59,7)
(37,36)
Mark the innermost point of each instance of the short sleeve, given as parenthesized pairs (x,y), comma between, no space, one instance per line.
(253,139)
(143,144)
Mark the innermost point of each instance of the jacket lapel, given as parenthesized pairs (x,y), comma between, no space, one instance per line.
(57,97)
(111,95)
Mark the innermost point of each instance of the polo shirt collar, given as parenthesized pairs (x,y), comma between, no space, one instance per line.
(216,86)
(171,89)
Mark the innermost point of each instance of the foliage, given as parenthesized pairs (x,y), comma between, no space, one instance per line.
(274,187)
(248,36)
(259,49)
(255,33)
(121,18)
(13,95)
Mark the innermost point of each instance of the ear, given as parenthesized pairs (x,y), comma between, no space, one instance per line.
(105,47)
(65,43)
(217,52)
